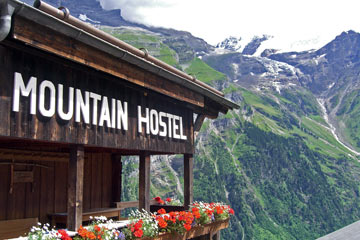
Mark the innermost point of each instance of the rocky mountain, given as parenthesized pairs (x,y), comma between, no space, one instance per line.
(288,160)
(243,45)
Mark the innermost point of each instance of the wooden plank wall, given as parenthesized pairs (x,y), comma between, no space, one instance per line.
(48,193)
(33,63)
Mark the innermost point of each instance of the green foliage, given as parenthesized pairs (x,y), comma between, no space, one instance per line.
(349,112)
(153,44)
(278,187)
(204,72)
(301,102)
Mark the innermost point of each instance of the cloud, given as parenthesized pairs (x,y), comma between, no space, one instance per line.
(133,10)
(215,20)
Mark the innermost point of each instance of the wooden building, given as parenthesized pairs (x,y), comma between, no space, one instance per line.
(73,100)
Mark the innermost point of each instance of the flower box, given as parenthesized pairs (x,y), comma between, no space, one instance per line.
(197,231)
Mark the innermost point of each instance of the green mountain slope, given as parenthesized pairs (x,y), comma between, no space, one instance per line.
(280,187)
(275,161)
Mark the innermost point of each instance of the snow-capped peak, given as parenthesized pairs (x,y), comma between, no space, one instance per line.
(245,45)
(256,45)
(234,44)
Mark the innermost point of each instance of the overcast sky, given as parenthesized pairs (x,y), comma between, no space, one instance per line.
(288,20)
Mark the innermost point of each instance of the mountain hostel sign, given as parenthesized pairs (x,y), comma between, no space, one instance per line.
(52,101)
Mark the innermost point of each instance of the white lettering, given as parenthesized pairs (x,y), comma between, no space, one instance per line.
(51,111)
(83,106)
(163,132)
(145,120)
(19,86)
(96,98)
(154,122)
(176,127)
(122,115)
(65,116)
(170,118)
(105,113)
(113,113)
(151,121)
(182,136)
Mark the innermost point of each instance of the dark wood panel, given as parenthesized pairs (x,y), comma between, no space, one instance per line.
(33,191)
(61,182)
(47,200)
(4,189)
(116,177)
(106,181)
(16,203)
(96,177)
(24,125)
(87,182)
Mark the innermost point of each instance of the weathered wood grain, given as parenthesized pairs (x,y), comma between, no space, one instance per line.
(36,127)
(75,187)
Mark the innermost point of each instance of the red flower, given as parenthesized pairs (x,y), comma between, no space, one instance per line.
(187,227)
(168,199)
(138,233)
(161,211)
(97,228)
(161,222)
(64,235)
(159,200)
(219,210)
(231,211)
(90,235)
(82,231)
(138,225)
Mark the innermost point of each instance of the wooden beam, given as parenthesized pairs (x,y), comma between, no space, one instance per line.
(188,180)
(27,155)
(144,182)
(198,122)
(116,177)
(75,187)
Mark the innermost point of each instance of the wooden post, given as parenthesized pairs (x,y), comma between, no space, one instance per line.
(217,236)
(75,187)
(144,182)
(116,178)
(188,179)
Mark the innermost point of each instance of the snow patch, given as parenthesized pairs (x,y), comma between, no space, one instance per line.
(331,85)
(332,128)
(84,18)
